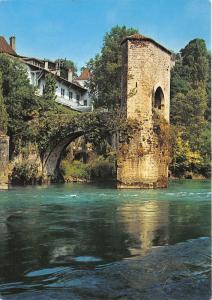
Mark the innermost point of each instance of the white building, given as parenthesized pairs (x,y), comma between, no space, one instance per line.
(71,92)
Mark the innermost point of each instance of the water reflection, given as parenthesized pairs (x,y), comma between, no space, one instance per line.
(147,222)
(42,230)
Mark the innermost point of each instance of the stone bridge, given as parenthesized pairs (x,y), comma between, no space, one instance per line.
(143,161)
(88,122)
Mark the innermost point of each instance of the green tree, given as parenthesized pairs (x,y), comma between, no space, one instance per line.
(192,68)
(105,82)
(3,111)
(20,100)
(190,107)
(179,82)
(184,160)
(66,64)
(50,87)
(47,100)
(195,60)
(208,89)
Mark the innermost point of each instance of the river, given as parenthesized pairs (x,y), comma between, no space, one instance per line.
(78,241)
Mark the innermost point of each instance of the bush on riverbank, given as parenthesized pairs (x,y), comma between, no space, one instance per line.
(190,111)
(102,169)
(98,169)
(25,173)
(73,171)
(186,162)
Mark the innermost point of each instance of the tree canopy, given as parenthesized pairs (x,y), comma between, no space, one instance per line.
(195,62)
(190,109)
(3,111)
(67,64)
(105,82)
(19,98)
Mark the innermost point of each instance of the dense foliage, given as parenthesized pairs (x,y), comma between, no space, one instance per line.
(190,110)
(3,111)
(104,85)
(99,169)
(65,65)
(25,173)
(20,100)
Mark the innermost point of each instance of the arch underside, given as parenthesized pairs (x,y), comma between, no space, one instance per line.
(52,157)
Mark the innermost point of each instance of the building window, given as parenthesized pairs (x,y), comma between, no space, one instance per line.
(62,92)
(78,98)
(85,102)
(70,95)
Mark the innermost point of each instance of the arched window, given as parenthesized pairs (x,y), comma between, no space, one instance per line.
(158,98)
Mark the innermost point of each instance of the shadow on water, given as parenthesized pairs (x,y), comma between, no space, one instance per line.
(49,234)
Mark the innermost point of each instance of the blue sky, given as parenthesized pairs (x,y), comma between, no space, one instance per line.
(74,29)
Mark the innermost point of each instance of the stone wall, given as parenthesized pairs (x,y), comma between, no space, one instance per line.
(4,160)
(143,162)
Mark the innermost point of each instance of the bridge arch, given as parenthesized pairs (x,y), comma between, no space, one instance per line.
(52,157)
(66,134)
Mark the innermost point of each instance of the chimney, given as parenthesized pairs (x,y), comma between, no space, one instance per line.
(12,43)
(46,65)
(58,72)
(70,75)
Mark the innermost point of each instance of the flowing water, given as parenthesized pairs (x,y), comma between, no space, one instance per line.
(78,241)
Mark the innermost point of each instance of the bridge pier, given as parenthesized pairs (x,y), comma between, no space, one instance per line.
(143,162)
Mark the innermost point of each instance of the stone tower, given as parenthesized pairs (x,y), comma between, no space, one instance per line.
(143,160)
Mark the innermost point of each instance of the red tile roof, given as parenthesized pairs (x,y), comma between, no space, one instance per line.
(5,47)
(85,75)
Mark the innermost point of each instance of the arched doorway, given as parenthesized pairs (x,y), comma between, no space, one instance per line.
(158,100)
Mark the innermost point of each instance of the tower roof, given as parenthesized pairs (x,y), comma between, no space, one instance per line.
(5,47)
(140,37)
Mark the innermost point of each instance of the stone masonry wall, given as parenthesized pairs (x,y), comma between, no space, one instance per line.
(143,163)
(4,160)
